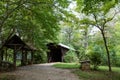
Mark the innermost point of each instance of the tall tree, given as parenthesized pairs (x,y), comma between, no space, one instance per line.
(98,15)
(35,20)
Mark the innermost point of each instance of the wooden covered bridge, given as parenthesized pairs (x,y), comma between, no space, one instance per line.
(56,52)
(20,50)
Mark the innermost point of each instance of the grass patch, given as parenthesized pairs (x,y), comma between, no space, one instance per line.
(101,74)
(8,77)
(97,75)
(67,65)
(105,68)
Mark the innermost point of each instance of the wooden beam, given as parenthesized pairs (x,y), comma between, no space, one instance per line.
(14,44)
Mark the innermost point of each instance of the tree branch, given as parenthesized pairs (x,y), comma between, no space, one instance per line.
(7,15)
(95,17)
(110,19)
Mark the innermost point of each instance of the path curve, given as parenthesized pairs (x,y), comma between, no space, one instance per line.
(42,72)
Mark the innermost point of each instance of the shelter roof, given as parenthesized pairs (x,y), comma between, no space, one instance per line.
(60,45)
(16,42)
(65,46)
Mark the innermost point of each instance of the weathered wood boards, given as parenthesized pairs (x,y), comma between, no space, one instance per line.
(56,52)
(17,45)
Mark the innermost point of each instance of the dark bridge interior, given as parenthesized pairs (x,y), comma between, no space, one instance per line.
(56,52)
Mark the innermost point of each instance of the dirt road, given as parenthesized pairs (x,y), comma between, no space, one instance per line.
(42,72)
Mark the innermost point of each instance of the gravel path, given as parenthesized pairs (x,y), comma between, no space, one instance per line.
(42,72)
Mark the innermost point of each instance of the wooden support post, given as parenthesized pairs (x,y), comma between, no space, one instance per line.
(14,58)
(6,55)
(22,60)
(48,58)
(32,57)
(1,55)
(62,55)
(25,57)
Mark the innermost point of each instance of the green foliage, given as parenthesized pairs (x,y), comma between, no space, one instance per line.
(70,57)
(63,3)
(79,5)
(98,12)
(117,63)
(40,57)
(94,6)
(35,24)
(95,56)
(81,54)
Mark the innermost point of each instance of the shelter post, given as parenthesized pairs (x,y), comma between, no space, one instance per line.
(14,57)
(6,55)
(1,55)
(32,57)
(62,55)
(25,57)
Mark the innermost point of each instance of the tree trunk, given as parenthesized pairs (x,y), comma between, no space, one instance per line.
(107,50)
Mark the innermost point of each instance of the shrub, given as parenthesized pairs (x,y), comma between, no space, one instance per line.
(40,57)
(94,55)
(70,57)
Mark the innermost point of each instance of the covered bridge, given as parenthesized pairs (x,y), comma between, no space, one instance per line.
(56,52)
(17,46)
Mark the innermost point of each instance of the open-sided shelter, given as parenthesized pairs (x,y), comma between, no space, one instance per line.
(56,52)
(17,45)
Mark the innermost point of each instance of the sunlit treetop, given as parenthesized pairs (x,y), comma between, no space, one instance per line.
(98,5)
